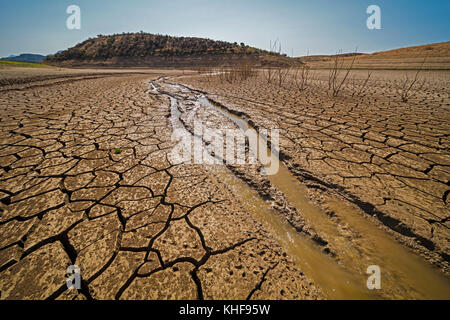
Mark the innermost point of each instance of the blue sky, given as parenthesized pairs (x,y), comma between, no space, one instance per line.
(317,26)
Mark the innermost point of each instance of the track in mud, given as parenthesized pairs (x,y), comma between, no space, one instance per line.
(357,243)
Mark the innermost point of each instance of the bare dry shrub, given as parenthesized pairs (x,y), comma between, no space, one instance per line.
(335,79)
(241,72)
(302,77)
(246,71)
(221,74)
(281,74)
(408,88)
(209,73)
(358,87)
(269,74)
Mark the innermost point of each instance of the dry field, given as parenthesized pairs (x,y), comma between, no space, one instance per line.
(86,180)
(389,157)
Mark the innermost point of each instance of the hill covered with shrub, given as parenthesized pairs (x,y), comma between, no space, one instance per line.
(154,50)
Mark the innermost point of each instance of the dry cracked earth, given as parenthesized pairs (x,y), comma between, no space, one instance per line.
(85,180)
(389,158)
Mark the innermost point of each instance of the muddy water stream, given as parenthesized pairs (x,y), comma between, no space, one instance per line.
(357,241)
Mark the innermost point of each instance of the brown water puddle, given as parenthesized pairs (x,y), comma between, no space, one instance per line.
(333,280)
(358,242)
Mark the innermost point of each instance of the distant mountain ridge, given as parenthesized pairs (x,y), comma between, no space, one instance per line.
(25,57)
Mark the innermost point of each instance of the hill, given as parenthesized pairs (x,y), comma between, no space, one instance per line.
(432,57)
(150,50)
(25,57)
(439,50)
(324,57)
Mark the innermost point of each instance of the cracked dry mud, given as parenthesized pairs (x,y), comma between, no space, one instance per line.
(85,180)
(333,228)
(388,158)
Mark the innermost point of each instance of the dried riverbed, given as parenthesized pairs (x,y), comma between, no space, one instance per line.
(334,249)
(87,179)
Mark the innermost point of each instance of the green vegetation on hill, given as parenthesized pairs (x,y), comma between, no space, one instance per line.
(145,44)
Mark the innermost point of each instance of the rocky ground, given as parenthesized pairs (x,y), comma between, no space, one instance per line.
(85,180)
